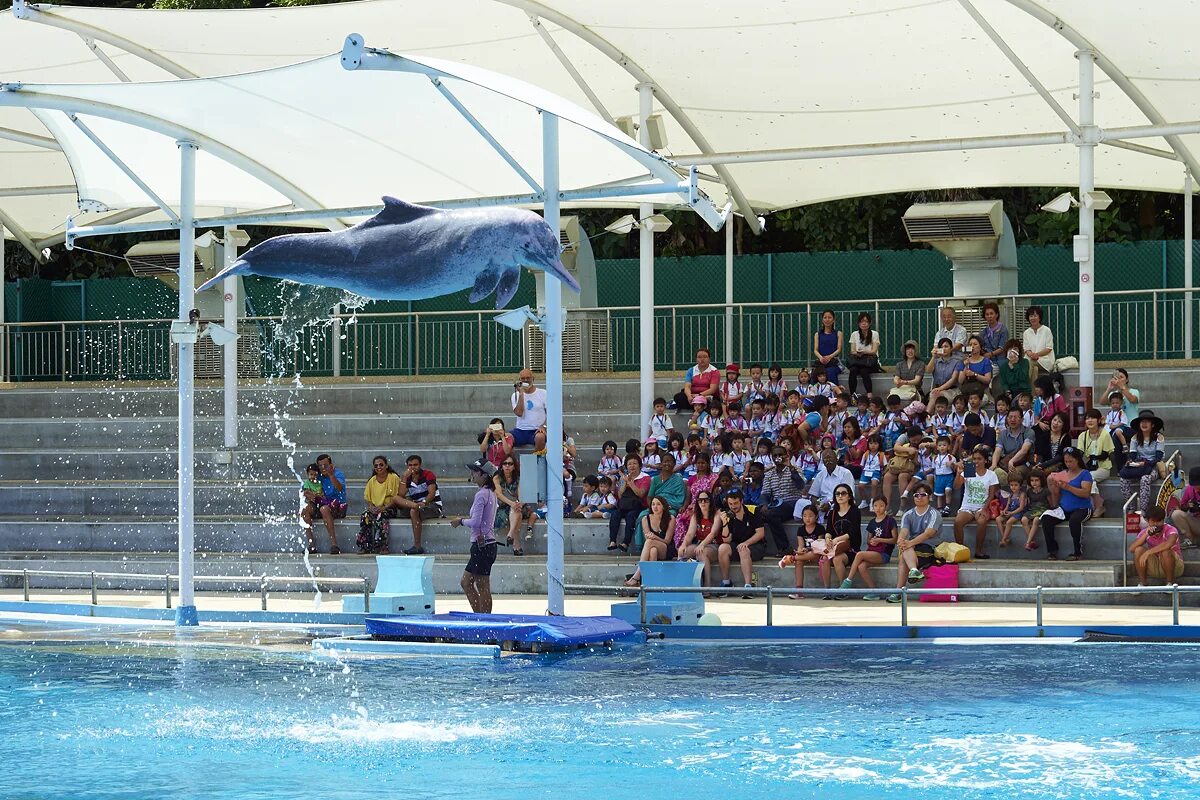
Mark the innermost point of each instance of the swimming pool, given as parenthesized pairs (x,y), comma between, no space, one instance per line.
(100,720)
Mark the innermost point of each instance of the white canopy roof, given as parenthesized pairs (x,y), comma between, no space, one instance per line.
(727,77)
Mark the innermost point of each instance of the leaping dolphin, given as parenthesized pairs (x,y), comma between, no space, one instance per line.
(411,252)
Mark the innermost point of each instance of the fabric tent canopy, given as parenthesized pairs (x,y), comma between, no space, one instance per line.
(345,138)
(767,75)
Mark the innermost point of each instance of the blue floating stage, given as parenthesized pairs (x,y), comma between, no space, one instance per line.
(511,632)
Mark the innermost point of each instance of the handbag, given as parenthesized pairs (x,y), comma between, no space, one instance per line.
(944,576)
(952,552)
(373,532)
(1132,473)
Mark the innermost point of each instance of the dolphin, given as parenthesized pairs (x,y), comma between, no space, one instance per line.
(411,252)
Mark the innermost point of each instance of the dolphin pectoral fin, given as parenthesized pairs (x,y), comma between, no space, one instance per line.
(507,287)
(485,284)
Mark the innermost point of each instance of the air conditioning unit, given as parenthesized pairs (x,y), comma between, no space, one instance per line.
(586,345)
(977,238)
(160,260)
(578,259)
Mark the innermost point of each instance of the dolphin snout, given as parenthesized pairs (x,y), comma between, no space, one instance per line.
(553,266)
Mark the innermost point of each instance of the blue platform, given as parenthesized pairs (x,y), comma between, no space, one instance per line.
(404,586)
(666,608)
(519,632)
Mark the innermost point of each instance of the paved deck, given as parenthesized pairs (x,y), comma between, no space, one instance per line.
(731,612)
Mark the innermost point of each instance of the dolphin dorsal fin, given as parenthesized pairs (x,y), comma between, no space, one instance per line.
(398,212)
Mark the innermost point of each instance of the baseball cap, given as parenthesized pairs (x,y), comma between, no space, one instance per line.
(484,466)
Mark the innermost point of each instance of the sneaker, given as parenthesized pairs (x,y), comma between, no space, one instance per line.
(915,576)
(862,503)
(904,495)
(1188,544)
(846,584)
(415,551)
(893,598)
(826,597)
(946,511)
(726,584)
(872,597)
(982,554)
(747,586)
(335,551)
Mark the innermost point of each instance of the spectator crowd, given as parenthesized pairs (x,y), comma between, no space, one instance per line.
(973,429)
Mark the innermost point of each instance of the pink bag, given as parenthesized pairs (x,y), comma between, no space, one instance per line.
(941,577)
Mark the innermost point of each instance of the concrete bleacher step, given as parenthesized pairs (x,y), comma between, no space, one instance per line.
(1103,539)
(265,464)
(365,431)
(512,575)
(323,397)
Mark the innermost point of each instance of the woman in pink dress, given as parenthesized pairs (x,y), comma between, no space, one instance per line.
(703,481)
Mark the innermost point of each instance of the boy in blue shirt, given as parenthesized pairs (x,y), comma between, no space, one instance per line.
(332,505)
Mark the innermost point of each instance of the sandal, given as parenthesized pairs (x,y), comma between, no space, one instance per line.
(633,582)
(335,551)
(624,548)
(611,545)
(518,552)
(1075,557)
(1031,546)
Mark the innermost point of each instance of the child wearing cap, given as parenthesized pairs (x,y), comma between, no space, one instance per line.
(731,390)
(651,457)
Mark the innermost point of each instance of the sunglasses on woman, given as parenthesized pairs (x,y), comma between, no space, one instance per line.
(842,493)
(703,499)
(508,464)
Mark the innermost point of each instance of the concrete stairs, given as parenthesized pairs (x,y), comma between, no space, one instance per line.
(87,476)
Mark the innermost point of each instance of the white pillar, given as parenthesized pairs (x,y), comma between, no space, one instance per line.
(552,326)
(3,296)
(185,613)
(645,277)
(336,335)
(1187,263)
(232,306)
(728,354)
(1086,245)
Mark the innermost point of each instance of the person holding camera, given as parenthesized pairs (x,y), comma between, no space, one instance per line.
(495,443)
(529,404)
(1097,446)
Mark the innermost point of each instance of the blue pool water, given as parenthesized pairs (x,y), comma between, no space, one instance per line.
(101,720)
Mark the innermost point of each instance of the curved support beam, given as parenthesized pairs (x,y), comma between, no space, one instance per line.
(117,217)
(536,9)
(1110,69)
(70,105)
(19,233)
(33,140)
(36,13)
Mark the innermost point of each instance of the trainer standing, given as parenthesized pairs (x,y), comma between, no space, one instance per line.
(477,577)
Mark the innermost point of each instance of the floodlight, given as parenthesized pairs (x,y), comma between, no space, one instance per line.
(1098,200)
(623,225)
(657,130)
(1061,204)
(657,223)
(205,239)
(627,126)
(219,334)
(517,318)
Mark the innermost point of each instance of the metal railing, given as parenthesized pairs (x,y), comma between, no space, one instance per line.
(770,592)
(1130,325)
(1175,461)
(264,581)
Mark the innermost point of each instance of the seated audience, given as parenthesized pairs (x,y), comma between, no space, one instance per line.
(657,535)
(1070,501)
(373,527)
(1097,446)
(510,511)
(1038,343)
(529,404)
(910,373)
(631,491)
(827,349)
(330,504)
(700,383)
(745,536)
(1156,551)
(494,443)
(863,359)
(1146,452)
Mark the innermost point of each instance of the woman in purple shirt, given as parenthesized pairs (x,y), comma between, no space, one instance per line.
(477,577)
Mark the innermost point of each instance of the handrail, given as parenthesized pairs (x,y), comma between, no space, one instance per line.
(1125,515)
(905,592)
(264,581)
(347,315)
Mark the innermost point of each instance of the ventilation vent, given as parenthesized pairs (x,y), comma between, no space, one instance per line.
(934,229)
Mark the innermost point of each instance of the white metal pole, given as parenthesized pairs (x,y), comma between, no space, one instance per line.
(3,319)
(232,304)
(728,354)
(645,277)
(1087,228)
(185,613)
(552,327)
(336,334)
(1187,263)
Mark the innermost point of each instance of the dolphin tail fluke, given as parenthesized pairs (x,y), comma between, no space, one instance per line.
(239,267)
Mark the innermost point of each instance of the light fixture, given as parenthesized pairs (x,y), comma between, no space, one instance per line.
(1061,204)
(1098,200)
(517,318)
(627,126)
(658,223)
(623,225)
(658,132)
(219,334)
